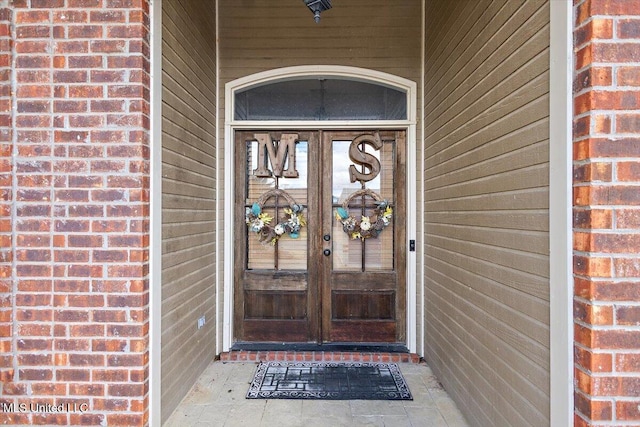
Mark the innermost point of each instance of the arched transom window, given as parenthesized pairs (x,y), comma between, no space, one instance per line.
(320,98)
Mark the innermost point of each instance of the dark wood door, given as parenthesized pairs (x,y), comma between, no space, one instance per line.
(320,252)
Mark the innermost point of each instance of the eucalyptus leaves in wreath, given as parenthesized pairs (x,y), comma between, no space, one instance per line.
(260,222)
(365,227)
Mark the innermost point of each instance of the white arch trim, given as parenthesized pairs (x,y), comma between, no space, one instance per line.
(306,71)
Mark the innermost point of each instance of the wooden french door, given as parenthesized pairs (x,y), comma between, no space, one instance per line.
(320,248)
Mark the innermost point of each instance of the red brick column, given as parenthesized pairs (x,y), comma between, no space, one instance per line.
(607,211)
(6,185)
(81,202)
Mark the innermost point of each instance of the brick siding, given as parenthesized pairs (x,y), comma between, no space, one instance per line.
(6,184)
(78,184)
(607,211)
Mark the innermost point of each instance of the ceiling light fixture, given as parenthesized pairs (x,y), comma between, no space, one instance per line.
(317,6)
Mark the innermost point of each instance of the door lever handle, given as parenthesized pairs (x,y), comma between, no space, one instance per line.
(327,252)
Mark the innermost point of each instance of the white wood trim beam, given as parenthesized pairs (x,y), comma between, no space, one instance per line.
(560,207)
(155,238)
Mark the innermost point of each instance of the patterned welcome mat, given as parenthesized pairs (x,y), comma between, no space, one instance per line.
(329,380)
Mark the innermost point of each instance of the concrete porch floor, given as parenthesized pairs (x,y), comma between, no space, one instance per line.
(218,400)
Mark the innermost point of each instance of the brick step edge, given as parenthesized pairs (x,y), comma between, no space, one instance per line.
(317,356)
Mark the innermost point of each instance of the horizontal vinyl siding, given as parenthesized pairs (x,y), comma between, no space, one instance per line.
(376,34)
(486,207)
(188,195)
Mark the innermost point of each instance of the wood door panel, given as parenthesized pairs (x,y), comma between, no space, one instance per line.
(363,331)
(367,281)
(363,306)
(269,280)
(276,331)
(275,305)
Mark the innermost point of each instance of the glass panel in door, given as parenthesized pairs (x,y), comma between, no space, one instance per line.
(370,253)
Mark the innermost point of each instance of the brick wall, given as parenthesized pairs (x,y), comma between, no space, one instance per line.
(79,187)
(6,182)
(607,211)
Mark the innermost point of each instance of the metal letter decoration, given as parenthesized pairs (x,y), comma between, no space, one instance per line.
(277,153)
(362,158)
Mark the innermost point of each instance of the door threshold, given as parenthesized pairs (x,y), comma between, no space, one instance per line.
(318,356)
(331,347)
(344,346)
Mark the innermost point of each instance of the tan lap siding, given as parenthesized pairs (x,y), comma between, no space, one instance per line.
(486,207)
(188,195)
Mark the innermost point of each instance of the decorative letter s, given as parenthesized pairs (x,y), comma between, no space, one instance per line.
(360,157)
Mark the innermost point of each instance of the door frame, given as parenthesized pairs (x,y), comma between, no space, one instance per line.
(409,125)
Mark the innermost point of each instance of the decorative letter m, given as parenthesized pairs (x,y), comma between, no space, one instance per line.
(277,153)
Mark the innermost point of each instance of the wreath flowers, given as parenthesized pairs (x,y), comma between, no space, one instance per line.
(260,223)
(367,226)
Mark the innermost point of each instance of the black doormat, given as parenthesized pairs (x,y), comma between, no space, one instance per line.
(329,381)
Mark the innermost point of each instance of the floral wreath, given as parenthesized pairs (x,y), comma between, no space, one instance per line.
(260,222)
(367,226)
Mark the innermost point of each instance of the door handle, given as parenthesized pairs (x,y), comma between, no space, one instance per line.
(327,252)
